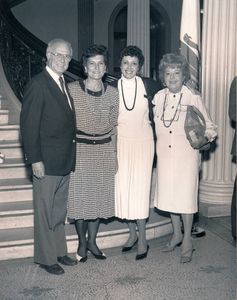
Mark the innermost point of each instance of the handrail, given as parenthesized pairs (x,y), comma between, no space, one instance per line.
(23,54)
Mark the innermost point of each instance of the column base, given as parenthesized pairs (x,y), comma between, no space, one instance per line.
(214,210)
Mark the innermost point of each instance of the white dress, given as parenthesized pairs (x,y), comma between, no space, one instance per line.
(177,162)
(135,153)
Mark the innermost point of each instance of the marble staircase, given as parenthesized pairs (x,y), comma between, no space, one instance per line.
(16,205)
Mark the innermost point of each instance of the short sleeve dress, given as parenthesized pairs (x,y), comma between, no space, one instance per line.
(91,188)
(177,162)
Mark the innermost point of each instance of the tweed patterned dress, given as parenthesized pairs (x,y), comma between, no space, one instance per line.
(91,189)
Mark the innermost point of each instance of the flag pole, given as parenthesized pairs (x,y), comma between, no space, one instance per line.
(190,39)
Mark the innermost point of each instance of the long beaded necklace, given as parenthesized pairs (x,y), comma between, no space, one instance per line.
(135,96)
(163,115)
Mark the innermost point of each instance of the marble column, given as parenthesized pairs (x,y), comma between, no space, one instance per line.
(138,23)
(218,70)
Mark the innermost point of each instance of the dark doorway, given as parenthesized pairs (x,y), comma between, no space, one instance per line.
(159,36)
(120,38)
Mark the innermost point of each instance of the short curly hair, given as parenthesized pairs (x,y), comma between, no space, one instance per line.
(174,60)
(132,51)
(93,51)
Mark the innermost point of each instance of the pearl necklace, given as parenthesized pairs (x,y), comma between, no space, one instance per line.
(135,96)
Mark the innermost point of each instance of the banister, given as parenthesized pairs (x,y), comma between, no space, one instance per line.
(23,54)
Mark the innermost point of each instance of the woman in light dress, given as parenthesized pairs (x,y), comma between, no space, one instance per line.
(178,159)
(135,146)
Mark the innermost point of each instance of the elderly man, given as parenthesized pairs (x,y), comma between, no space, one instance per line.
(48,134)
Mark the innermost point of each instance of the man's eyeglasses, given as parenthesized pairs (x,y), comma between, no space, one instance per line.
(60,56)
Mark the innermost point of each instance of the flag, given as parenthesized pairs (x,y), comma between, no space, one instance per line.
(190,38)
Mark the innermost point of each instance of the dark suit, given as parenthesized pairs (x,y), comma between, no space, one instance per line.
(232,115)
(48,135)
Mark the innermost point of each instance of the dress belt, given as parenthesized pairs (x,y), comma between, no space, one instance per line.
(94,135)
(93,142)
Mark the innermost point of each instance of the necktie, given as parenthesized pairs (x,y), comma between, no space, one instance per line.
(62,85)
(63,90)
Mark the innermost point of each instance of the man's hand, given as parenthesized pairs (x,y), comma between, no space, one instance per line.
(38,170)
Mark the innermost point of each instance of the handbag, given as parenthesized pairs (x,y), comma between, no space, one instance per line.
(195,125)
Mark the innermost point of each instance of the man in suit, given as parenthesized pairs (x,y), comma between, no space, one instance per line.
(48,134)
(232,115)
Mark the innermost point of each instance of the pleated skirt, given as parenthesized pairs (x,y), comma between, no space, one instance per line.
(133,179)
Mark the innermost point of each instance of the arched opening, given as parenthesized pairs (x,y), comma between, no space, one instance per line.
(160,36)
(120,38)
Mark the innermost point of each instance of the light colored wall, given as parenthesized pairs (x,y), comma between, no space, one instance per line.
(49,19)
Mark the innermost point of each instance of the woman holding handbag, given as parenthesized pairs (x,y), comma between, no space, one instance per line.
(178,156)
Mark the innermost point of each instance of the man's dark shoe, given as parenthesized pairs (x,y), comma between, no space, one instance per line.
(198,232)
(67,261)
(54,269)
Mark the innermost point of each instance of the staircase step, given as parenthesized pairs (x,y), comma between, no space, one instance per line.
(11,149)
(18,242)
(4,116)
(9,132)
(21,219)
(13,208)
(14,168)
(3,100)
(16,214)
(14,190)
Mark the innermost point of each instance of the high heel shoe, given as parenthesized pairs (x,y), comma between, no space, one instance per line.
(186,256)
(80,258)
(97,256)
(126,249)
(143,255)
(169,248)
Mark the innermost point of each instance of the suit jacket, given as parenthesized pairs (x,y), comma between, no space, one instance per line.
(48,126)
(232,111)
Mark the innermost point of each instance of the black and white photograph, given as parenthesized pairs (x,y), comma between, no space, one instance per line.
(118,149)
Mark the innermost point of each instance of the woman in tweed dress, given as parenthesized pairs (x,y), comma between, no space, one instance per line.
(91,190)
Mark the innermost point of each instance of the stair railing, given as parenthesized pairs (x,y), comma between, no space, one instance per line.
(23,54)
